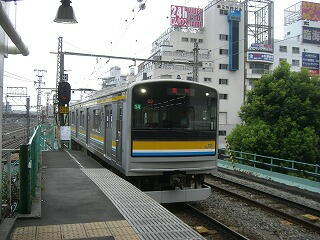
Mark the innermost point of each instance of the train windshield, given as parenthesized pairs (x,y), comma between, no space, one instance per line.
(174,106)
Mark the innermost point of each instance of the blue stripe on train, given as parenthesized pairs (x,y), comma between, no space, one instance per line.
(155,154)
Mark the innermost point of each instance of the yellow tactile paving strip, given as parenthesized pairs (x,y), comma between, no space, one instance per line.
(120,230)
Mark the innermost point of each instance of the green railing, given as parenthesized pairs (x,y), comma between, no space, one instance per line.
(285,166)
(29,167)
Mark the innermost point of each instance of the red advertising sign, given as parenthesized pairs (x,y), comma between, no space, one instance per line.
(186,16)
(314,72)
(310,11)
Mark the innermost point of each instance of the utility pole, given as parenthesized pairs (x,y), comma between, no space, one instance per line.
(195,62)
(60,71)
(38,84)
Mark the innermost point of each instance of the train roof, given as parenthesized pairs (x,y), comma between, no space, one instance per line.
(125,86)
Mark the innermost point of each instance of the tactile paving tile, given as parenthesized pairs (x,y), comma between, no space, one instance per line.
(49,236)
(101,232)
(148,218)
(25,236)
(26,230)
(48,229)
(95,225)
(73,234)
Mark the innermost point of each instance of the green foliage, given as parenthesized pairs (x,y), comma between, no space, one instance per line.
(281,117)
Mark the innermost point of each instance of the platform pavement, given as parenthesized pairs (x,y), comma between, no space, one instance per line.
(72,206)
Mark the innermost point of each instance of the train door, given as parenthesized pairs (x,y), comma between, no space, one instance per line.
(77,123)
(87,126)
(119,133)
(108,130)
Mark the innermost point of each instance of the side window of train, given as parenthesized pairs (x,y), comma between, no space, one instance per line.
(107,119)
(96,120)
(81,118)
(111,118)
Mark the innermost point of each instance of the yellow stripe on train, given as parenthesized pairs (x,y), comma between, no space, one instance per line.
(173,145)
(99,138)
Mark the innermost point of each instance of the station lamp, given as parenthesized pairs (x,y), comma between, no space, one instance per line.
(65,13)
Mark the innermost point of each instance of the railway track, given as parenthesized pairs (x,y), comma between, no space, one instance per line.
(289,210)
(195,218)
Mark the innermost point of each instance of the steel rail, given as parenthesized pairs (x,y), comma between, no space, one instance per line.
(297,205)
(278,212)
(222,227)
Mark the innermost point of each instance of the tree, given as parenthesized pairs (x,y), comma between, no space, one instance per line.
(281,117)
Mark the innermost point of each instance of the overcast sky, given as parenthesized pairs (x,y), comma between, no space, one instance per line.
(105,27)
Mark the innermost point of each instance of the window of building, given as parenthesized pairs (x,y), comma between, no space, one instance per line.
(200,40)
(295,50)
(193,40)
(189,78)
(223,12)
(223,51)
(184,39)
(222,133)
(259,66)
(295,63)
(223,96)
(81,118)
(223,66)
(223,37)
(283,48)
(97,120)
(207,79)
(222,118)
(282,59)
(223,81)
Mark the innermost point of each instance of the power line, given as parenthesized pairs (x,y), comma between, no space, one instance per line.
(18,76)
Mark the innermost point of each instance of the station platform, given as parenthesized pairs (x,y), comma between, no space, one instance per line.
(83,200)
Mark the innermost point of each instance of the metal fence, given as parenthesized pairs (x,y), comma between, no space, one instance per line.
(29,166)
(285,166)
(9,182)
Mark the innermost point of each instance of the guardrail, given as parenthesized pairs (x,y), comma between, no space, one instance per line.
(285,166)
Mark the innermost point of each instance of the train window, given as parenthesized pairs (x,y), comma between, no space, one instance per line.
(97,120)
(107,118)
(73,118)
(111,118)
(81,118)
(186,106)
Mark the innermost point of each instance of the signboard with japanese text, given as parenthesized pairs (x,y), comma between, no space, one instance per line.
(186,16)
(261,47)
(311,35)
(310,60)
(65,133)
(310,11)
(260,57)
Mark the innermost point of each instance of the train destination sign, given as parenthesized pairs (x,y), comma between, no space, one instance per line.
(182,16)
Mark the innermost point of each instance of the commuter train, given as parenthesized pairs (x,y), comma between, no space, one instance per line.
(160,134)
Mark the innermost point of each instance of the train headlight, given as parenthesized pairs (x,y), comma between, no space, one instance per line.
(143,90)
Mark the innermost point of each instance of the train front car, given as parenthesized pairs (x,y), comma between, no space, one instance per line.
(173,139)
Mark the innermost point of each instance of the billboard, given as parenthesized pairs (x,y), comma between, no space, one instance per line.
(310,60)
(186,16)
(260,57)
(311,35)
(310,11)
(261,47)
